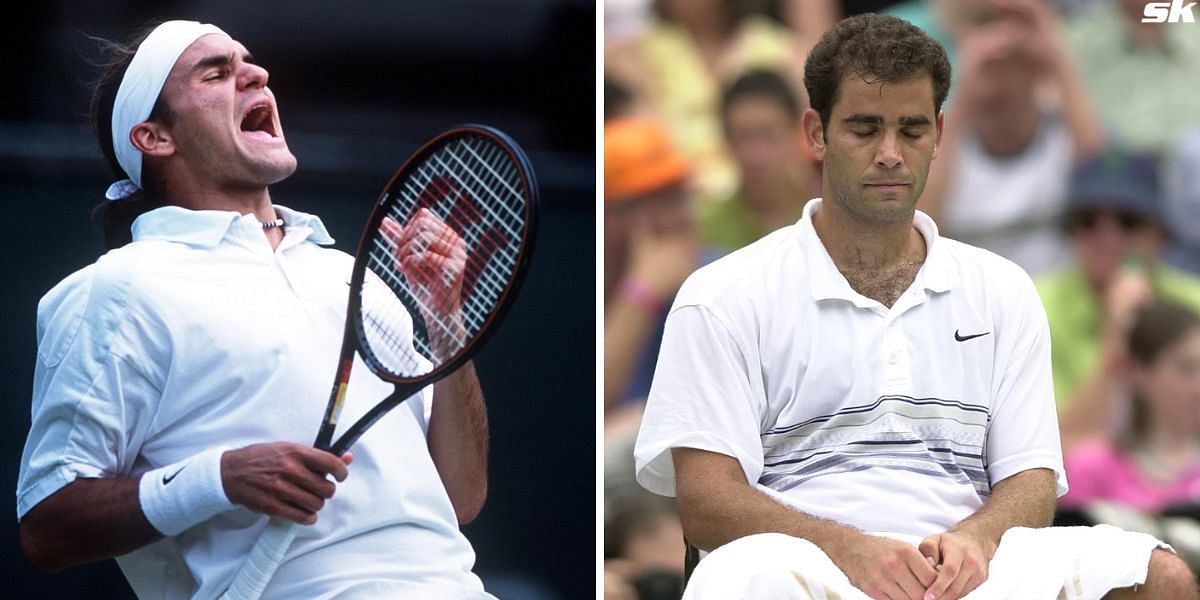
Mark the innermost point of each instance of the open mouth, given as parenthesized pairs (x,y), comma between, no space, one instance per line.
(259,120)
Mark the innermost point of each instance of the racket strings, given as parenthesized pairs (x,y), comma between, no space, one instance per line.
(464,217)
(387,327)
(512,220)
(436,288)
(473,227)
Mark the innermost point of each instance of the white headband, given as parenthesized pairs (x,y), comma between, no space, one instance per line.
(140,87)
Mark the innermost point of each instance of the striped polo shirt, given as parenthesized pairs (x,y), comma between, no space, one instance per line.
(896,420)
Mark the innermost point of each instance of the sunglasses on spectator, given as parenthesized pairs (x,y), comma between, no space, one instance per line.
(1088,219)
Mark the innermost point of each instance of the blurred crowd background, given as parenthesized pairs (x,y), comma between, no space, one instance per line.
(1071,147)
(359,85)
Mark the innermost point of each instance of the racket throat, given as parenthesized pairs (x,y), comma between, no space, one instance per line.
(333,409)
(355,431)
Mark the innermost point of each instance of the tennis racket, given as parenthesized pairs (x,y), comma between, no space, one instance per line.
(438,265)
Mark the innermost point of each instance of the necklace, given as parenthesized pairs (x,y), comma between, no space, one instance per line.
(271,224)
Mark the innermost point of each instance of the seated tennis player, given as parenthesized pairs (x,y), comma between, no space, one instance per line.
(180,378)
(855,407)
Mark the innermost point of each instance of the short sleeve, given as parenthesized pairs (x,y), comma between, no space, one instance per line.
(703,396)
(1023,433)
(90,403)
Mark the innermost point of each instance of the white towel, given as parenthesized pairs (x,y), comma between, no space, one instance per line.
(1072,563)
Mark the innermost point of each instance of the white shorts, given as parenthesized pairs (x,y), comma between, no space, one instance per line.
(1051,563)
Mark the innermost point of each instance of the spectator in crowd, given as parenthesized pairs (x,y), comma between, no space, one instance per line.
(650,246)
(680,65)
(1155,462)
(1142,76)
(760,116)
(1007,152)
(1114,221)
(1148,478)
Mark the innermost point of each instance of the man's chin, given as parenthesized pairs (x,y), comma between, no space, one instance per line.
(285,172)
(274,169)
(890,208)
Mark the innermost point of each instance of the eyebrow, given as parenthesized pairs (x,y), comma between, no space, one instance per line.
(914,121)
(865,119)
(217,60)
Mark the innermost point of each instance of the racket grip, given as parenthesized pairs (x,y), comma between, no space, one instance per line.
(252,579)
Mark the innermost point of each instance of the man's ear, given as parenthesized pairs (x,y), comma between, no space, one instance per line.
(814,133)
(152,139)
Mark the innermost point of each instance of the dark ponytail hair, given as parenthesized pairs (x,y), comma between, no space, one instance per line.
(115,218)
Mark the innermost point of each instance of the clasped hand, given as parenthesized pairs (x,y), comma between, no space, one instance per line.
(947,566)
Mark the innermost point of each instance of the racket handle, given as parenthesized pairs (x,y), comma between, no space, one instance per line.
(252,579)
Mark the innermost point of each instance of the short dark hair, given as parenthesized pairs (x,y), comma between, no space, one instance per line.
(116,217)
(884,47)
(761,83)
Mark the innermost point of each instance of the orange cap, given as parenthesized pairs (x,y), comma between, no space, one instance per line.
(638,159)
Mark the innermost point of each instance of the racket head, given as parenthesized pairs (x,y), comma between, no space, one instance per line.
(477,181)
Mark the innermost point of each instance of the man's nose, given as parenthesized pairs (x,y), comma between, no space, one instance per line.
(887,155)
(252,75)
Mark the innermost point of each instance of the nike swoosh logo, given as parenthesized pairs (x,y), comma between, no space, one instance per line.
(168,478)
(963,338)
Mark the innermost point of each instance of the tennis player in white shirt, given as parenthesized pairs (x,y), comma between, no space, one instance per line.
(180,377)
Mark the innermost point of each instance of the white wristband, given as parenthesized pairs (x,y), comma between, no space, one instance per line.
(177,497)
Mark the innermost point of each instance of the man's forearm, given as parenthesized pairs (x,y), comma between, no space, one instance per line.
(715,508)
(710,522)
(458,440)
(1022,500)
(88,520)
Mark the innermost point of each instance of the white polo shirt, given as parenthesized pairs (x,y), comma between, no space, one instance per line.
(198,334)
(889,420)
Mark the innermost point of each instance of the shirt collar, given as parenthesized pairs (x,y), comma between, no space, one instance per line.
(305,226)
(206,228)
(937,274)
